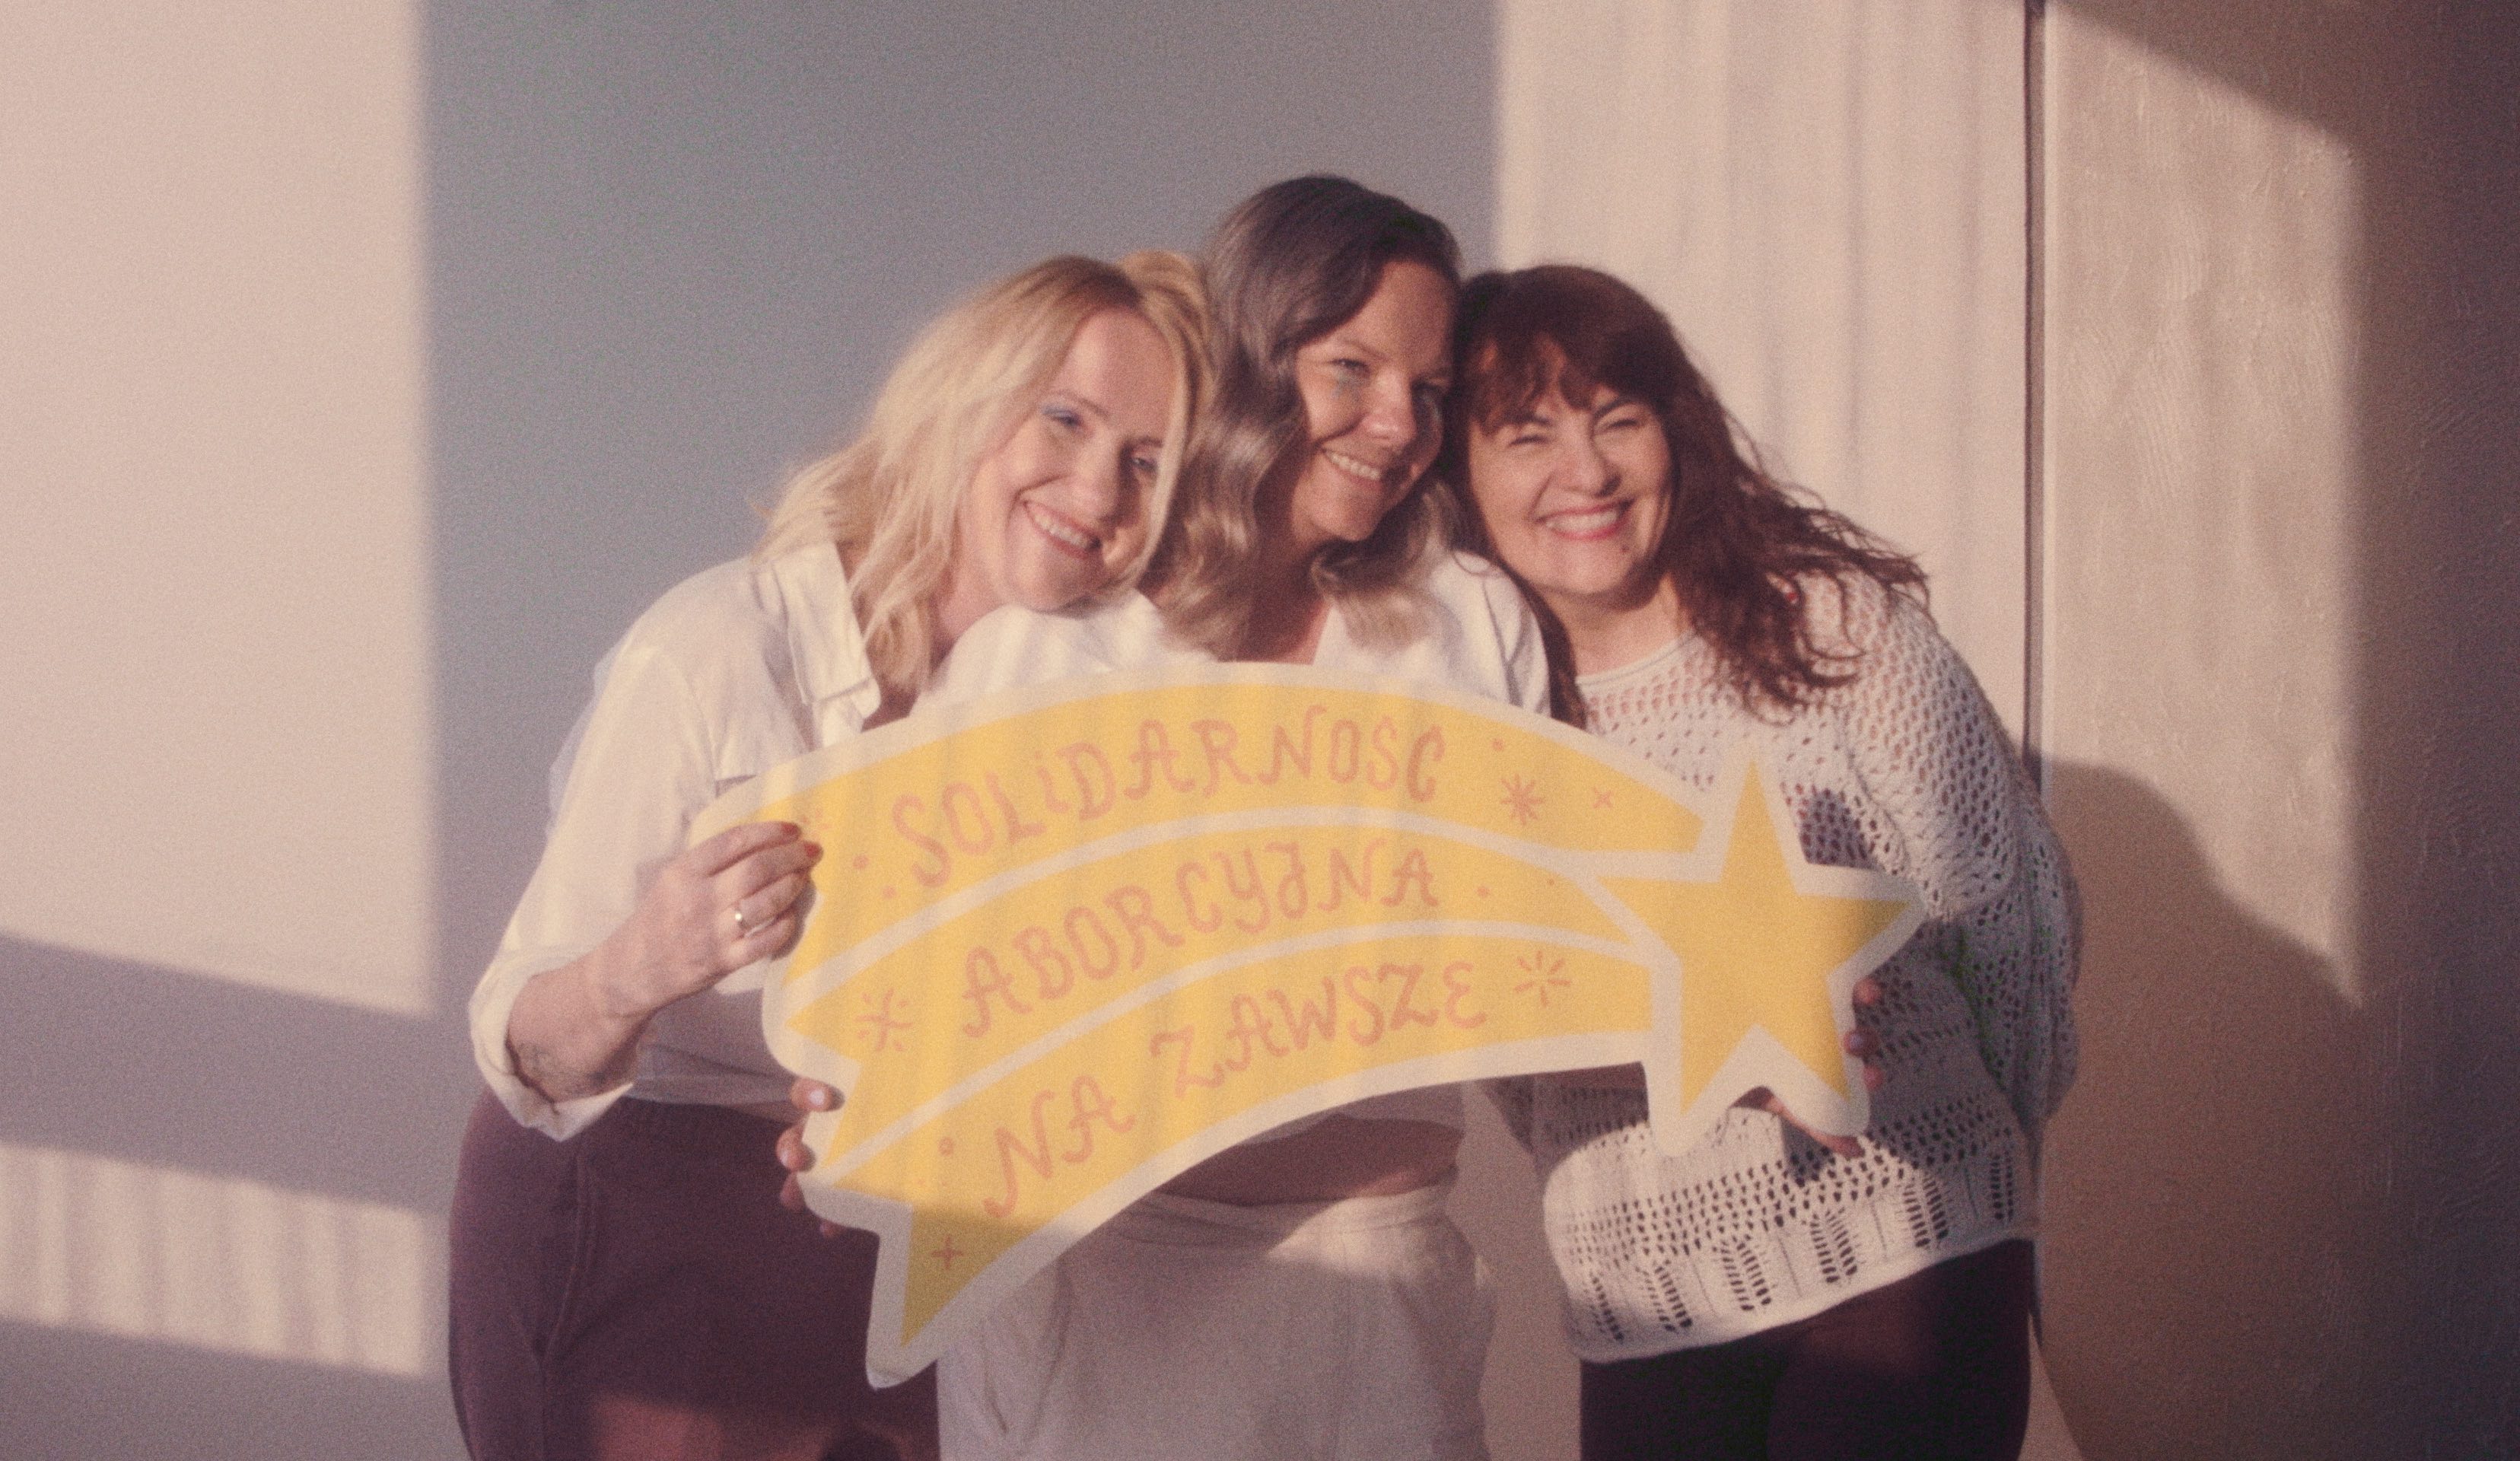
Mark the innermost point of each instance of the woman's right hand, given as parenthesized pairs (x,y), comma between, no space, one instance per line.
(712,909)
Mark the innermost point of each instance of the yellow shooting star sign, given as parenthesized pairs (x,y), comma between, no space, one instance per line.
(1071,942)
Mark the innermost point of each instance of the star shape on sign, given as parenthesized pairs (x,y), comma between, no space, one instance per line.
(1771,946)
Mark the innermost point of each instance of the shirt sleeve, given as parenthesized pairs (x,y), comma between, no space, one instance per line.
(2001,917)
(642,765)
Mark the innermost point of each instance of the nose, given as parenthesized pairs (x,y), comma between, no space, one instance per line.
(1101,488)
(1586,469)
(1393,415)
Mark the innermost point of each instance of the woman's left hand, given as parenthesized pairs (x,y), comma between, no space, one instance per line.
(808,1097)
(1864,1046)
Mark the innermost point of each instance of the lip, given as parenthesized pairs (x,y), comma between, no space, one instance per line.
(1588,524)
(1064,533)
(1357,467)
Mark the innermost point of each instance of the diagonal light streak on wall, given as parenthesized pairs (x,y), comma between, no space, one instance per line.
(215,621)
(157,1253)
(2203,448)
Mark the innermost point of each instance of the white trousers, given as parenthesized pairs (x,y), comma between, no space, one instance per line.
(1345,1331)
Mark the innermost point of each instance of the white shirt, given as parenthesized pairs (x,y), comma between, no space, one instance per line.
(733,671)
(1480,637)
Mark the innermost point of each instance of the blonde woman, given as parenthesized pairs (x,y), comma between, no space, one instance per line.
(624,1282)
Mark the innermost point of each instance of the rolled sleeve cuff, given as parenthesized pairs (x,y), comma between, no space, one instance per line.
(492,1004)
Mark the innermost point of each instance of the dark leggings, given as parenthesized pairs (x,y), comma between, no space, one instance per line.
(1935,1367)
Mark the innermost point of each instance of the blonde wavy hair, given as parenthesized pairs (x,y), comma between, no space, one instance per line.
(890,498)
(1290,264)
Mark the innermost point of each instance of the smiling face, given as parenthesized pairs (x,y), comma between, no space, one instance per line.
(1058,510)
(1574,499)
(1373,394)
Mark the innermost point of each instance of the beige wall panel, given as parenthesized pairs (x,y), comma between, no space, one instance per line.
(214,624)
(1828,198)
(2201,484)
(2279,418)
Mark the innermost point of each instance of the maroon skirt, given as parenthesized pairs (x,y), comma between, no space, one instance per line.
(637,1291)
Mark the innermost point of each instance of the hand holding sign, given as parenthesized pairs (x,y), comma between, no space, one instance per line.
(1071,942)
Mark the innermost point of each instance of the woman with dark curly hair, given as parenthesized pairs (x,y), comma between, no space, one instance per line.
(1767,1294)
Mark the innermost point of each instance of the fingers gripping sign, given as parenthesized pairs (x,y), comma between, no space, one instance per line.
(727,902)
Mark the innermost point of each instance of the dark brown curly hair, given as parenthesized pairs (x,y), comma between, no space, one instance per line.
(1739,546)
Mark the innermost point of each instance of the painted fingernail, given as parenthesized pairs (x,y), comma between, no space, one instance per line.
(813,850)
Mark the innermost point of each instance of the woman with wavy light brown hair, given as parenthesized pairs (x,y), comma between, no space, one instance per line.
(1304,1294)
(624,1281)
(1769,1293)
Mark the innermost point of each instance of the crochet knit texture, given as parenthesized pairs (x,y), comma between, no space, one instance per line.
(1907,771)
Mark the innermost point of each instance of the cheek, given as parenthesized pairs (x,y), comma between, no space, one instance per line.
(1327,415)
(1502,495)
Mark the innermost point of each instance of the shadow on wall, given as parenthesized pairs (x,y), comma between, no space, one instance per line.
(219,1214)
(2284,1226)
(2195,1162)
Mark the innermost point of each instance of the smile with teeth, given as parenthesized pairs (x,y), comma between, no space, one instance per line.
(1592,521)
(1061,531)
(1358,468)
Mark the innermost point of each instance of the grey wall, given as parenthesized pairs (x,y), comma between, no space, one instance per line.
(669,251)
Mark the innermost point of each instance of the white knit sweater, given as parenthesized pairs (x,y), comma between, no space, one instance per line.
(1907,771)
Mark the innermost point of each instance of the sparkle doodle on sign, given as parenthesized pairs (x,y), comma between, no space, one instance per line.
(1522,797)
(1545,971)
(883,1024)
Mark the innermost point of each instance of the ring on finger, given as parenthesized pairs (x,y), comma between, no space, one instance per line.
(743,925)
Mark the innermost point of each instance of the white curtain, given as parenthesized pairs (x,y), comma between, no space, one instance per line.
(1828,198)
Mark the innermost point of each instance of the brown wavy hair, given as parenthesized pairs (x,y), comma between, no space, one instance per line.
(1741,549)
(1290,264)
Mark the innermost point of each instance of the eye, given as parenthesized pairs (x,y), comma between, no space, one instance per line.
(1063,415)
(1144,464)
(1625,419)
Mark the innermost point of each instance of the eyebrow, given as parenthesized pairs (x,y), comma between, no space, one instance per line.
(1104,414)
(1087,402)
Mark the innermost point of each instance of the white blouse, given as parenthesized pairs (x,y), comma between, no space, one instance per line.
(733,671)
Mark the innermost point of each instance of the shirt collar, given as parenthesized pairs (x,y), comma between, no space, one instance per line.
(824,644)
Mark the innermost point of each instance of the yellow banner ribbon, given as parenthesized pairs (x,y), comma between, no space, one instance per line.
(1070,941)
